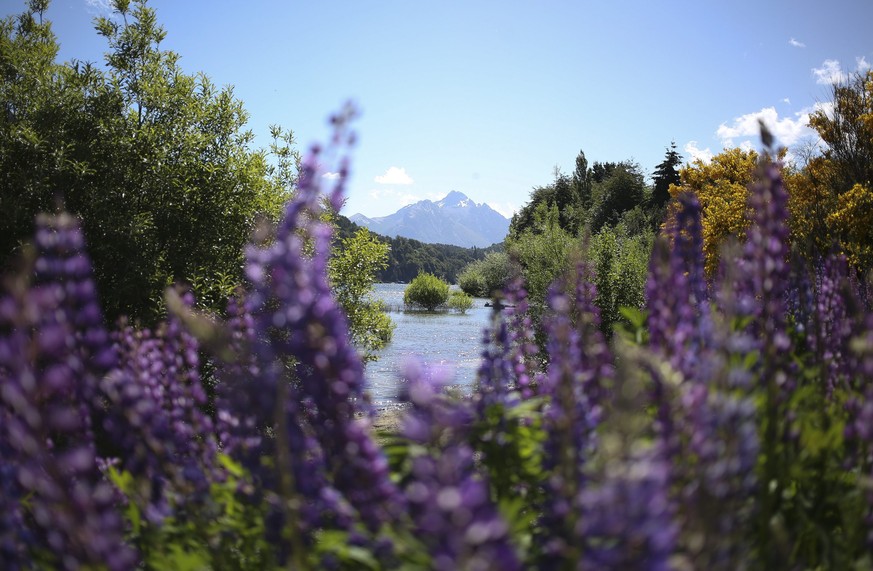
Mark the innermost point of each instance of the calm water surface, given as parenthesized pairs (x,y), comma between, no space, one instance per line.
(448,339)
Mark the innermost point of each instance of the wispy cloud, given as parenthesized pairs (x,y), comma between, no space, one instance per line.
(829,73)
(330,176)
(697,153)
(787,130)
(394,175)
(786,100)
(99,7)
(796,43)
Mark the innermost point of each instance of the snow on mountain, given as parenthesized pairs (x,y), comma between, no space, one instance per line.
(455,219)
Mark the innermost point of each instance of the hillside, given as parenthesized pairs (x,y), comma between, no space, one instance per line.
(408,257)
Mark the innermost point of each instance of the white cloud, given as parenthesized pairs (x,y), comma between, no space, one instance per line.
(331,176)
(394,175)
(697,153)
(829,73)
(100,7)
(786,100)
(796,44)
(788,131)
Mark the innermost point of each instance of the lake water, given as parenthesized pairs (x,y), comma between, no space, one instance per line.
(446,339)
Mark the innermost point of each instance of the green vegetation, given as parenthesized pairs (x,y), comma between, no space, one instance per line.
(483,278)
(426,291)
(460,301)
(156,162)
(353,265)
(604,213)
(408,257)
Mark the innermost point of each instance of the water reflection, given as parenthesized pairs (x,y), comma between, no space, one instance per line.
(448,339)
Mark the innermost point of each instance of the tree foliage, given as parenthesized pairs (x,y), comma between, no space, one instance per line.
(852,221)
(830,197)
(460,301)
(542,251)
(721,186)
(426,291)
(562,194)
(620,261)
(847,130)
(665,175)
(155,161)
(483,278)
(408,257)
(353,266)
(622,190)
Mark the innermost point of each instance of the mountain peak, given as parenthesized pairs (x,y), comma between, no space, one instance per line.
(455,219)
(455,198)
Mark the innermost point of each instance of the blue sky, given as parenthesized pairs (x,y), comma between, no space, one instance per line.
(488,97)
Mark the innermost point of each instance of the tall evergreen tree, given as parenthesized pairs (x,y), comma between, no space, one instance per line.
(582,181)
(666,173)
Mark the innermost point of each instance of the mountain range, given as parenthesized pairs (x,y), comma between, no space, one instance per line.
(455,220)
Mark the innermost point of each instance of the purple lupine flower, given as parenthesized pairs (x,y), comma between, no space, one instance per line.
(578,372)
(720,483)
(676,291)
(859,425)
(237,403)
(799,298)
(627,520)
(15,537)
(449,503)
(831,326)
(136,419)
(156,419)
(765,272)
(523,351)
(496,376)
(52,351)
(184,399)
(309,383)
(706,424)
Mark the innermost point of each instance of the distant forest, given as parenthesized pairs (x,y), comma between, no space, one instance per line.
(408,257)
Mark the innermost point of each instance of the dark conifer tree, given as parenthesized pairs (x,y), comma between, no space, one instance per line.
(665,174)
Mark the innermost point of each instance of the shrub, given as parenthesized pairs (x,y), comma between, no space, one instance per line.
(460,301)
(471,281)
(427,291)
(485,277)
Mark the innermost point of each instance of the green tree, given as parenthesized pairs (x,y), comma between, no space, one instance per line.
(426,291)
(352,269)
(460,301)
(582,181)
(831,198)
(482,278)
(666,173)
(847,130)
(156,162)
(620,261)
(622,190)
(542,252)
(562,194)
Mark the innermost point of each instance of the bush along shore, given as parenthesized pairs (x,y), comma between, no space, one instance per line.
(729,428)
